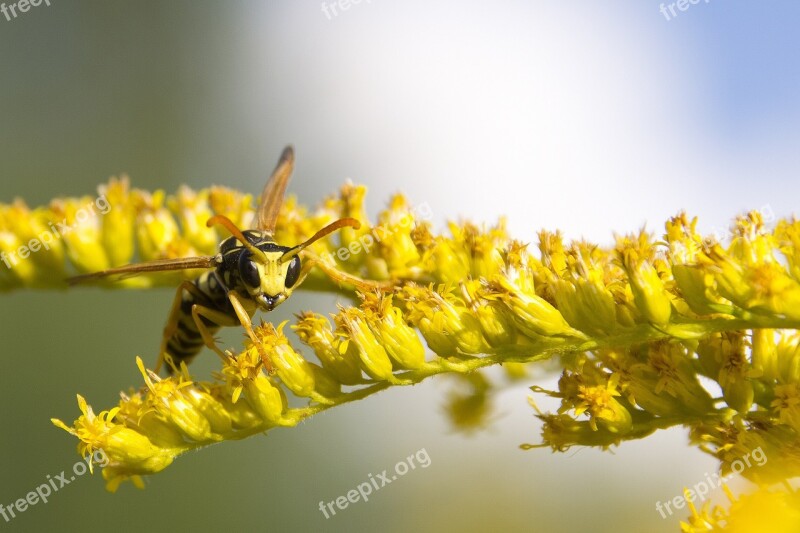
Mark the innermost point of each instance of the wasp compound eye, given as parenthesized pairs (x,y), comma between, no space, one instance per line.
(293,272)
(248,271)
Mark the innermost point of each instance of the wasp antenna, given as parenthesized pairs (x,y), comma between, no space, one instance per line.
(221,220)
(324,232)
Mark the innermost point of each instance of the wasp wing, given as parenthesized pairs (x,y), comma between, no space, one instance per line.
(272,195)
(159,265)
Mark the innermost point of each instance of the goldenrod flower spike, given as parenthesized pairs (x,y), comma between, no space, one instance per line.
(640,327)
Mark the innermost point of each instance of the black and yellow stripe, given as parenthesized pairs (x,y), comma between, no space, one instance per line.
(187,342)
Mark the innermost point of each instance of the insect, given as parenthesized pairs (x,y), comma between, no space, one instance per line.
(250,272)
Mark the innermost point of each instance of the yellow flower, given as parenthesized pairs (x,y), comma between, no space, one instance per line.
(599,401)
(295,372)
(669,370)
(30,244)
(533,315)
(392,239)
(170,399)
(356,333)
(787,404)
(448,259)
(266,399)
(129,453)
(236,206)
(447,325)
(243,374)
(400,340)
(587,306)
(352,201)
(193,210)
(648,289)
(314,331)
(737,389)
(787,353)
(156,229)
(497,323)
(787,237)
(118,222)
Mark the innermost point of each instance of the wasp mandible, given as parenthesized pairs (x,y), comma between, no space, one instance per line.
(250,272)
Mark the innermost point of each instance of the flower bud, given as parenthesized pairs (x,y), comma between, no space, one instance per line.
(294,371)
(532,314)
(193,211)
(314,331)
(211,409)
(81,234)
(496,321)
(118,222)
(587,306)
(232,204)
(156,229)
(448,261)
(133,413)
(401,342)
(372,354)
(649,292)
(265,398)
(448,327)
(392,235)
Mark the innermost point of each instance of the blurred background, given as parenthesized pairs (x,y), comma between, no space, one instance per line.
(591,118)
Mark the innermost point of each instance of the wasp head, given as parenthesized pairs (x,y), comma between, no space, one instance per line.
(269,277)
(269,271)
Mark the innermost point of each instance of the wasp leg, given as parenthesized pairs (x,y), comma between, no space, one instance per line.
(218,317)
(247,323)
(340,276)
(174,317)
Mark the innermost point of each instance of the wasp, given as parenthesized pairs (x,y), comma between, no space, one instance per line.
(250,272)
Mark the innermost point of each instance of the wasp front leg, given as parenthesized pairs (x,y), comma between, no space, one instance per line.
(218,317)
(247,323)
(340,277)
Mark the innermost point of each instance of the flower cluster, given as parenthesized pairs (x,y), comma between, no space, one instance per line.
(135,225)
(642,328)
(725,315)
